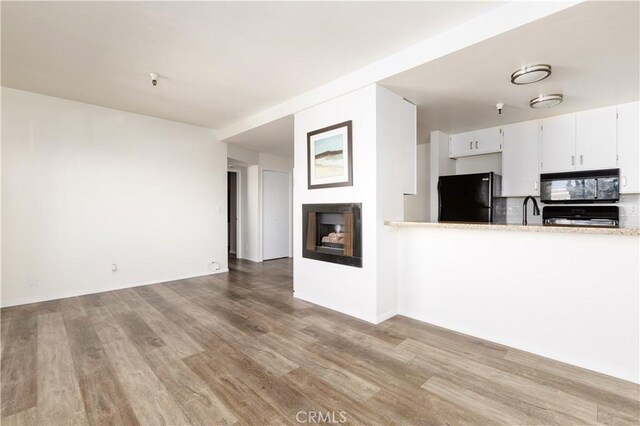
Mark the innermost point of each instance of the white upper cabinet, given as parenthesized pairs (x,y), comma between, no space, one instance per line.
(461,144)
(628,147)
(596,139)
(558,144)
(520,159)
(488,140)
(484,141)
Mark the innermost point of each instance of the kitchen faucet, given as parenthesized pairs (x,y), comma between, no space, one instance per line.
(536,209)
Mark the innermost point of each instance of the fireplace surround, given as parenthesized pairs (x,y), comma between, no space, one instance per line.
(333,233)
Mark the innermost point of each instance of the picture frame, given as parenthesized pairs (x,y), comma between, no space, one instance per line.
(330,156)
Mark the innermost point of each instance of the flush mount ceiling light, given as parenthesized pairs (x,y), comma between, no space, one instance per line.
(531,74)
(545,101)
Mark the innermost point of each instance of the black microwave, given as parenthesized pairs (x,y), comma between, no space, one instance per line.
(587,186)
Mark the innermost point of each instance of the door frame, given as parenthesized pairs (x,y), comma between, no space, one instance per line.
(239,240)
(290,207)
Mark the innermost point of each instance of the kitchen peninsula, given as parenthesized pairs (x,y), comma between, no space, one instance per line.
(630,231)
(571,294)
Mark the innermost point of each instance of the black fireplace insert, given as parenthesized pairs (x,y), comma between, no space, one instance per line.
(333,233)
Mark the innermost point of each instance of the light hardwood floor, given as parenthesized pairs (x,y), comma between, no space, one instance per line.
(237,347)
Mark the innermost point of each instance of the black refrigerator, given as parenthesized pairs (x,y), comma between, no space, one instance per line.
(471,198)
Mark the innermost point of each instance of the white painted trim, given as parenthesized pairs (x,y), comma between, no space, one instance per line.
(420,316)
(385,316)
(498,21)
(92,290)
(301,296)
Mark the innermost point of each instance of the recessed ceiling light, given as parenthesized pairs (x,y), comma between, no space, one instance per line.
(531,74)
(545,101)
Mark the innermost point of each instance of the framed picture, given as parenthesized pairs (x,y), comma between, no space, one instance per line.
(329,162)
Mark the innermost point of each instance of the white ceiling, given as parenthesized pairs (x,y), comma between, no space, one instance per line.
(275,137)
(594,49)
(218,61)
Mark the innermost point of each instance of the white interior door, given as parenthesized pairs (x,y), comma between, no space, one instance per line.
(275,215)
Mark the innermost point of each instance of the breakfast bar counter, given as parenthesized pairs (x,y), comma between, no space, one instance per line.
(567,293)
(634,232)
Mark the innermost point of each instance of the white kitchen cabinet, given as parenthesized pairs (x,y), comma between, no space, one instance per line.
(628,147)
(461,144)
(477,142)
(520,159)
(596,139)
(488,140)
(558,144)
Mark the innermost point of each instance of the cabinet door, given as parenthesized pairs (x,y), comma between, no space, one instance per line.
(628,149)
(520,159)
(462,144)
(596,146)
(558,144)
(488,140)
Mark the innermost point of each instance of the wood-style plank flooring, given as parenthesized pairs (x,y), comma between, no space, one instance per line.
(238,348)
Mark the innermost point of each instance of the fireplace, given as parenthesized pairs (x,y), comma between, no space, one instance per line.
(332,233)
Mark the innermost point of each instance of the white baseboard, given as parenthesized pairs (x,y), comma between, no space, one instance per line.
(86,291)
(536,351)
(385,316)
(297,295)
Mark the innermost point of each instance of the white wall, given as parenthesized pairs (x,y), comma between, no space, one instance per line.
(569,297)
(243,155)
(479,164)
(253,243)
(417,207)
(368,293)
(441,165)
(396,128)
(275,162)
(84,187)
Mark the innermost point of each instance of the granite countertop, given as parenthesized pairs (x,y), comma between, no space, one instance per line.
(634,232)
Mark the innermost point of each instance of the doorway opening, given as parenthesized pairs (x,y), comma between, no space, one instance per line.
(232,212)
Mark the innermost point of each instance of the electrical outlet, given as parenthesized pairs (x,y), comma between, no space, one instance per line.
(33,281)
(214,266)
(114,267)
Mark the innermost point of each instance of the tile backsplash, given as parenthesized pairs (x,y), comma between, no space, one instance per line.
(629,211)
(629,206)
(514,211)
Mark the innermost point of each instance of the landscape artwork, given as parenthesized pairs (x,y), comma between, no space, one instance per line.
(329,156)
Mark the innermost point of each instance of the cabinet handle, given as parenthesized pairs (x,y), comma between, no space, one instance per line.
(624,181)
(581,159)
(470,144)
(573,160)
(476,144)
